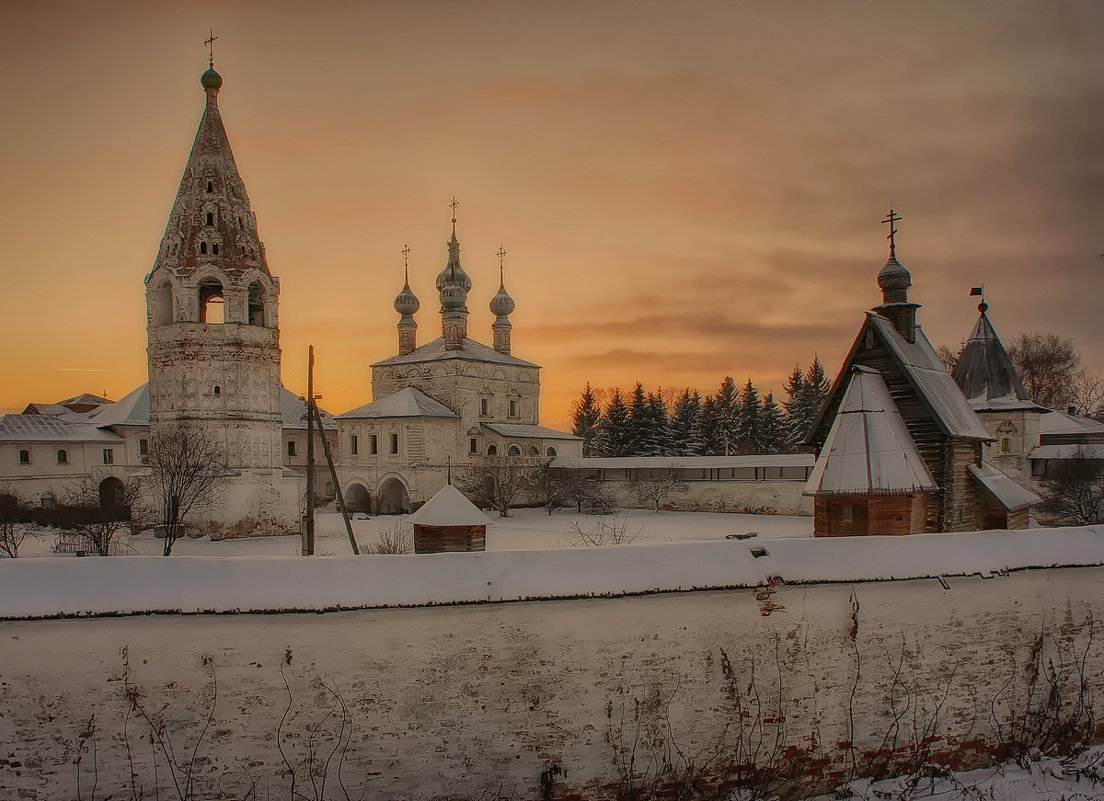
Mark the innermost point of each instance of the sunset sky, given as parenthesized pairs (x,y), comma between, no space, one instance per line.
(685,189)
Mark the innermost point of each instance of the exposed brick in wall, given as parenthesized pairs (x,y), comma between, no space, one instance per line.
(452,702)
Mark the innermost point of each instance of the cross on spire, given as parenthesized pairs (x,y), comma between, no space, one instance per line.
(891,218)
(501,253)
(406,264)
(210,42)
(453,206)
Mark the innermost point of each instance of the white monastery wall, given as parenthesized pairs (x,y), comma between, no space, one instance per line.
(462,701)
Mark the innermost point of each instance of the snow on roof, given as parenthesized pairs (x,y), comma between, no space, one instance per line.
(472,351)
(449,507)
(683,462)
(1055,422)
(985,373)
(869,450)
(43,428)
(933,383)
(130,410)
(528,431)
(294,411)
(1003,490)
(1069,451)
(1006,403)
(407,402)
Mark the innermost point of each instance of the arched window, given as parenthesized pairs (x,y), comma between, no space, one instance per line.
(492,450)
(211,302)
(551,452)
(210,188)
(514,451)
(291,447)
(162,304)
(534,450)
(63,456)
(256,304)
(24,457)
(214,248)
(210,218)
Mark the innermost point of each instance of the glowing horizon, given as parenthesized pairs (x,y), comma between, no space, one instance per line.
(684,193)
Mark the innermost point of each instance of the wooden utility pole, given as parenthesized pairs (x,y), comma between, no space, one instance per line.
(308,528)
(337,485)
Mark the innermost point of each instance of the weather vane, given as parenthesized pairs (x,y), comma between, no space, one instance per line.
(210,42)
(891,218)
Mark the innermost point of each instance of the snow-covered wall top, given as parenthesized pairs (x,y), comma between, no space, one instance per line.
(32,588)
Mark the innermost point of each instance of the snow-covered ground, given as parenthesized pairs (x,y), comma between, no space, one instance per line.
(1078,778)
(524,530)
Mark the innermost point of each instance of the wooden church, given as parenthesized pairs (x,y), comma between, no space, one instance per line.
(899,446)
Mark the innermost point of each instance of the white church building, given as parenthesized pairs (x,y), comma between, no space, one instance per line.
(214,360)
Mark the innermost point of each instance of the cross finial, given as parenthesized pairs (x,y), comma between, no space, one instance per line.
(501,253)
(891,218)
(453,206)
(406,264)
(210,42)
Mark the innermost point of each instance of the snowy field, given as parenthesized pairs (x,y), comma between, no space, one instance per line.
(524,530)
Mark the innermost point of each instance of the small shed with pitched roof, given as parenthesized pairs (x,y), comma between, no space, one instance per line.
(449,522)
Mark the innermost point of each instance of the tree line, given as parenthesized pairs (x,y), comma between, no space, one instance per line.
(684,422)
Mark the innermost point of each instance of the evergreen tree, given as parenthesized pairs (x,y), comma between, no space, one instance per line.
(749,419)
(727,416)
(636,439)
(657,438)
(795,409)
(817,384)
(586,416)
(614,427)
(685,436)
(771,437)
(708,436)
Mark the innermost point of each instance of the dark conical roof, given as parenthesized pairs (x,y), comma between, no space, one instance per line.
(985,372)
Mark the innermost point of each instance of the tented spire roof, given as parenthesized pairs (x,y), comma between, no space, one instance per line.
(449,507)
(985,372)
(869,450)
(211,220)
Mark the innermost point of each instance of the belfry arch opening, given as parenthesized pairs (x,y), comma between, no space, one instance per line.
(256,304)
(212,303)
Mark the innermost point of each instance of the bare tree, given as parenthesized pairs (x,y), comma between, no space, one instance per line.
(587,494)
(548,485)
(1074,489)
(98,517)
(606,530)
(187,474)
(1087,394)
(656,486)
(497,482)
(948,357)
(394,539)
(1046,364)
(15,521)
